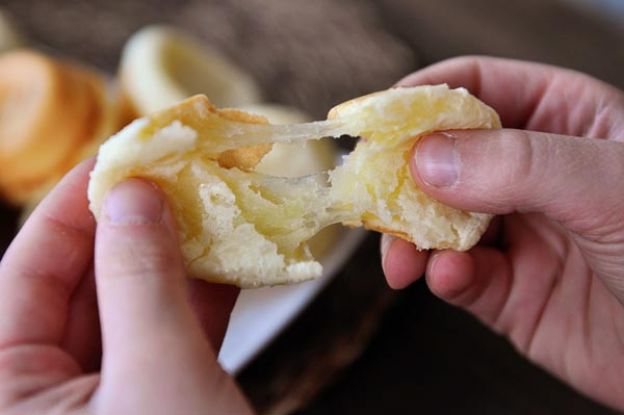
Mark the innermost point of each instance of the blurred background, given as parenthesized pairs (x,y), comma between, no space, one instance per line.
(360,348)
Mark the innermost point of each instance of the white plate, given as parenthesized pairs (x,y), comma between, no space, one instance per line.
(261,314)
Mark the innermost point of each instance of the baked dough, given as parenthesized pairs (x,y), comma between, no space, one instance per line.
(50,112)
(161,66)
(242,227)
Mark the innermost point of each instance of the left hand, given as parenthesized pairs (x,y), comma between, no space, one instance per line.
(160,331)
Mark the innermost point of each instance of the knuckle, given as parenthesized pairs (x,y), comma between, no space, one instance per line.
(522,156)
(499,161)
(499,168)
(535,169)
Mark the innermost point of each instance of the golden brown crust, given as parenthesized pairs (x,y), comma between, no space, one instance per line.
(402,235)
(244,158)
(233,114)
(379,228)
(52,125)
(192,112)
(71,115)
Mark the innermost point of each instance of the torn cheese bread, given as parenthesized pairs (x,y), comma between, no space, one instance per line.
(246,228)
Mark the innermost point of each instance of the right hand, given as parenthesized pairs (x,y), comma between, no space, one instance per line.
(549,273)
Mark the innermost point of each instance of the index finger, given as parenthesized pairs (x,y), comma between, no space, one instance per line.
(532,96)
(45,263)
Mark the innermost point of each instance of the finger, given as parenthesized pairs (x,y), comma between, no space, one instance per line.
(478,281)
(212,304)
(550,99)
(151,338)
(507,290)
(139,275)
(402,263)
(45,263)
(502,171)
(482,282)
(82,337)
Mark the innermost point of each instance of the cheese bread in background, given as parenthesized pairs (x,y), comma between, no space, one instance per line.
(243,227)
(161,66)
(50,111)
(53,114)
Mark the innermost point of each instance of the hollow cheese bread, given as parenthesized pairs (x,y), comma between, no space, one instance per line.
(242,227)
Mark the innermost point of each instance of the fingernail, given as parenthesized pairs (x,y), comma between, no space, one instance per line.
(134,201)
(386,241)
(436,161)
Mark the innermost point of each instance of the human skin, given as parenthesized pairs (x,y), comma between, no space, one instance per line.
(549,273)
(64,280)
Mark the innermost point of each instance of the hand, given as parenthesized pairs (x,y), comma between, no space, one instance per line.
(549,273)
(158,356)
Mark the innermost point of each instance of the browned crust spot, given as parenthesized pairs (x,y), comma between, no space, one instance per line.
(192,112)
(377,227)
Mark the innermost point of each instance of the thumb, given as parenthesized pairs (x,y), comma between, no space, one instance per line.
(151,337)
(139,272)
(576,181)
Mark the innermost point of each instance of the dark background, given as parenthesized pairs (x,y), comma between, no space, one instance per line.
(423,356)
